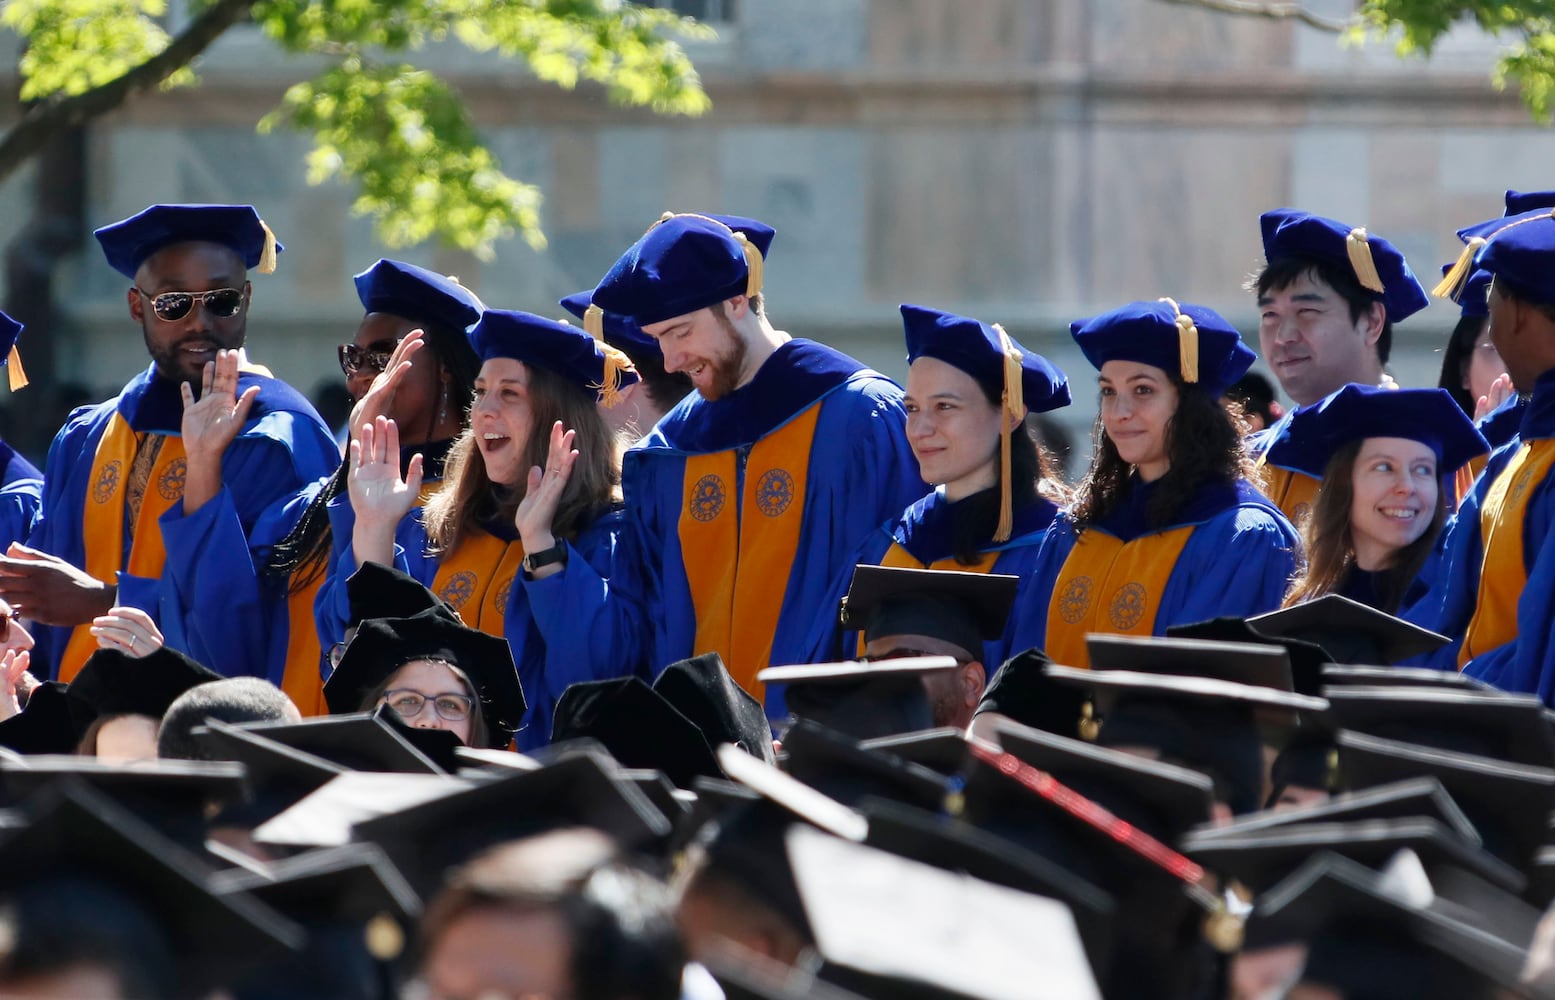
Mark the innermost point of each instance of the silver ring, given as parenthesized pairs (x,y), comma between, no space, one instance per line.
(132,643)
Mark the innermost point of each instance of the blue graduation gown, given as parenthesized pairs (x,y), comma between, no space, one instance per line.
(1526,664)
(1238,561)
(859,473)
(582,624)
(924,531)
(283,446)
(21,496)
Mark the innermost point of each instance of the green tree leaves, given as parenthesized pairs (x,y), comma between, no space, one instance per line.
(399,132)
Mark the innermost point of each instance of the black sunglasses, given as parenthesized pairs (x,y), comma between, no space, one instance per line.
(374,357)
(222,303)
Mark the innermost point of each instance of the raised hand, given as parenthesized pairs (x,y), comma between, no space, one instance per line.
(1500,391)
(379,398)
(127,629)
(210,424)
(379,496)
(543,492)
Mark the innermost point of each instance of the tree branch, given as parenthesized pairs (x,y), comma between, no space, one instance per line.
(46,117)
(1279,10)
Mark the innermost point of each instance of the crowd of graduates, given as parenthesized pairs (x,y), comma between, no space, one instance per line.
(656,653)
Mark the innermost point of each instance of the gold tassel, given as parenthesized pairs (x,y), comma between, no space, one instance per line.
(1452,282)
(1013,408)
(753,265)
(616,363)
(594,322)
(1187,342)
(14,370)
(267,255)
(1224,930)
(1090,726)
(1359,248)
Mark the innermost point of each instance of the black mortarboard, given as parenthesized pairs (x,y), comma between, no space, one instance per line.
(671,800)
(112,682)
(793,796)
(702,689)
(171,796)
(1261,858)
(1021,690)
(44,725)
(1201,723)
(1351,631)
(1507,803)
(325,817)
(78,837)
(579,789)
(279,776)
(1367,938)
(358,912)
(1411,798)
(1505,726)
(1343,673)
(961,847)
(360,741)
(440,746)
(940,750)
(960,608)
(1306,658)
(904,929)
(637,726)
(1163,800)
(478,758)
(836,765)
(864,700)
(383,645)
(1261,665)
(377,590)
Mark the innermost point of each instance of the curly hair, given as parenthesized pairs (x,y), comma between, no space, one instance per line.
(1203,446)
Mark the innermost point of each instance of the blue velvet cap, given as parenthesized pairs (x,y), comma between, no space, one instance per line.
(414,293)
(566,350)
(1314,433)
(621,332)
(1519,252)
(1473,297)
(127,244)
(1289,234)
(1150,333)
(1518,202)
(977,349)
(685,263)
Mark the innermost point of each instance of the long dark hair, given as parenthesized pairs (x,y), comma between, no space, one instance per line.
(1203,446)
(303,554)
(1033,475)
(1329,541)
(470,499)
(1456,358)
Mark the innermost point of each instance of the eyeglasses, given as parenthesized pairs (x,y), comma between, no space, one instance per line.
(6,618)
(373,357)
(222,303)
(336,653)
(409,704)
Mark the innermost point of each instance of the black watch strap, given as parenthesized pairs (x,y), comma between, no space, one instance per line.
(555,554)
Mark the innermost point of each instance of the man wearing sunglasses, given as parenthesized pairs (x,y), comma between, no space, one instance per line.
(115,468)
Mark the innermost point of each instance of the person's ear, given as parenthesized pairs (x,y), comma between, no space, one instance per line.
(1372,321)
(137,304)
(973,680)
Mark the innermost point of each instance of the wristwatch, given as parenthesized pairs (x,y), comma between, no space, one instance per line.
(535,560)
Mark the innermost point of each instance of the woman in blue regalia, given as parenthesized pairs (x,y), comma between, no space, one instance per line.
(523,538)
(1167,527)
(1381,455)
(969,389)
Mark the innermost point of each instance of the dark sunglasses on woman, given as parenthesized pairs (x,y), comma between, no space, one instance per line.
(373,358)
